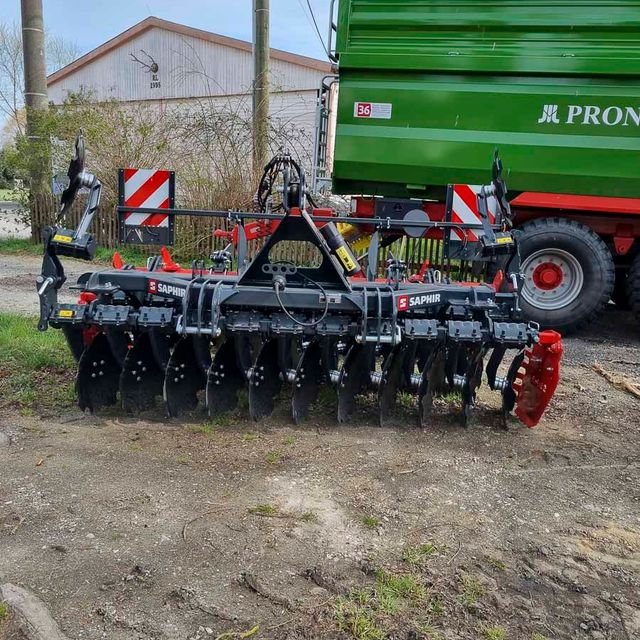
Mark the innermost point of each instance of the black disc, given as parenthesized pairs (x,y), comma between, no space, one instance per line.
(184,377)
(75,340)
(509,396)
(141,379)
(98,375)
(225,379)
(265,382)
(393,379)
(433,381)
(354,378)
(306,385)
(473,376)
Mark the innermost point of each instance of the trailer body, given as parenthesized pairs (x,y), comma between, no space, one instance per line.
(428,90)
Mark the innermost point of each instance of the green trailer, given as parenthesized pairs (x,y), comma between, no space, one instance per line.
(429,88)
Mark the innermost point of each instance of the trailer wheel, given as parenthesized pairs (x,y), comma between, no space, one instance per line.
(633,286)
(569,273)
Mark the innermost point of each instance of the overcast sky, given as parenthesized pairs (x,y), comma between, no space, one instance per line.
(91,23)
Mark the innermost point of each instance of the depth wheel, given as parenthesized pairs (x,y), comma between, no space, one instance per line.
(569,273)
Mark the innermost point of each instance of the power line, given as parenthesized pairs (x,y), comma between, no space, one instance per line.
(315,24)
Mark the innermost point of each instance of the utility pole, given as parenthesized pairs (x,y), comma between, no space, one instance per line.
(35,93)
(260,83)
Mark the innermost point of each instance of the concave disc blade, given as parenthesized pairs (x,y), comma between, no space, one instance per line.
(306,385)
(355,377)
(184,377)
(225,379)
(98,375)
(393,377)
(265,383)
(141,379)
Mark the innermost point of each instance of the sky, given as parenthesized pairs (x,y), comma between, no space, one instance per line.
(89,24)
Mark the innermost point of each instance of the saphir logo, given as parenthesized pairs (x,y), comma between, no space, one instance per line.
(157,288)
(590,114)
(423,300)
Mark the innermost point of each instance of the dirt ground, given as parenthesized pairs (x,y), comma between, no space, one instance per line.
(142,528)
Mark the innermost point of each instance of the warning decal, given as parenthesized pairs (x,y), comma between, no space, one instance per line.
(379,110)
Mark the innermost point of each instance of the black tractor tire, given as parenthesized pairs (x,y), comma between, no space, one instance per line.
(581,264)
(633,287)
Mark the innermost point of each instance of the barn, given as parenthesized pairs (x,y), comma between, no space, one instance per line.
(167,64)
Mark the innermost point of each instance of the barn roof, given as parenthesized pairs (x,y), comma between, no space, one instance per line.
(152,21)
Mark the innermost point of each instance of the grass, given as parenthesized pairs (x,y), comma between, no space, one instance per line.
(250,436)
(366,612)
(371,522)
(494,633)
(4,611)
(273,457)
(472,591)
(496,563)
(24,246)
(309,516)
(36,369)
(289,440)
(266,510)
(418,556)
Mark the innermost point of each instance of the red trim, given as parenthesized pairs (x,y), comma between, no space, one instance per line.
(598,204)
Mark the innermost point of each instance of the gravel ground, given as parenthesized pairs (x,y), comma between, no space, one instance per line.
(18,275)
(9,226)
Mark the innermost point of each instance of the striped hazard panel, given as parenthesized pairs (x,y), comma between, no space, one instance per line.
(463,199)
(147,188)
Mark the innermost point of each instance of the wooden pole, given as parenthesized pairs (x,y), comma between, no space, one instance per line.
(260,84)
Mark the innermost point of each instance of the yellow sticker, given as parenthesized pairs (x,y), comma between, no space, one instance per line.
(66,313)
(504,240)
(60,238)
(345,258)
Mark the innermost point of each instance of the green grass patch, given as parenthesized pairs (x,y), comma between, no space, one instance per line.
(289,440)
(371,522)
(266,510)
(4,611)
(373,612)
(273,457)
(494,633)
(496,563)
(471,590)
(309,516)
(36,368)
(24,246)
(418,556)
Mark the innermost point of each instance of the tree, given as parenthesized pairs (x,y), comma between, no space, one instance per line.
(60,52)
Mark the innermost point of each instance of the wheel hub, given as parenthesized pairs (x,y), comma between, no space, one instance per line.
(553,279)
(547,276)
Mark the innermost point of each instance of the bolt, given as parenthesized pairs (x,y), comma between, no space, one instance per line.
(139,362)
(298,385)
(101,361)
(261,368)
(182,376)
(138,378)
(133,373)
(144,369)
(101,373)
(217,381)
(183,365)
(222,375)
(221,367)
(176,379)
(93,375)
(95,364)
(257,384)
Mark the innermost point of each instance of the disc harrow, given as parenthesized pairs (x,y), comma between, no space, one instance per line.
(205,336)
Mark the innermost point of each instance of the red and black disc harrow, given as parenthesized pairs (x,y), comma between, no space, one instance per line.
(207,334)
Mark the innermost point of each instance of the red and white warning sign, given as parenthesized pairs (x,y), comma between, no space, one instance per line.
(464,209)
(379,110)
(149,189)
